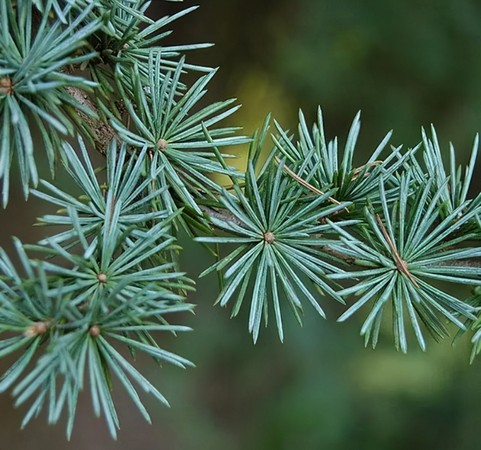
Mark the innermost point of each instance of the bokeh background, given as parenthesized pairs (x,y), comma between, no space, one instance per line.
(405,65)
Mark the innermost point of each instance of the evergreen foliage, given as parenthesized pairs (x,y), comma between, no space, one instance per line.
(303,224)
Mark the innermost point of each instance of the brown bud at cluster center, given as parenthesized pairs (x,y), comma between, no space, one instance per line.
(162,144)
(94,331)
(102,277)
(269,237)
(36,329)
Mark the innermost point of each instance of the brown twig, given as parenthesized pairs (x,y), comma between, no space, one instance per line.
(401,265)
(305,183)
(361,168)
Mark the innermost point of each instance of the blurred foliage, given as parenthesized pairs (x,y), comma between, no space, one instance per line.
(404,64)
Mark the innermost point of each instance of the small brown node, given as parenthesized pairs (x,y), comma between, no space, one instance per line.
(162,144)
(36,329)
(102,277)
(94,331)
(269,237)
(6,85)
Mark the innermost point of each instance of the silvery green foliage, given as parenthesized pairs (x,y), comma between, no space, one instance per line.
(303,226)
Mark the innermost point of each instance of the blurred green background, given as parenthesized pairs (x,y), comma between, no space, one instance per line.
(405,65)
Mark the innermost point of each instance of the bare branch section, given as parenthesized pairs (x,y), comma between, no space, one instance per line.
(103,132)
(221,215)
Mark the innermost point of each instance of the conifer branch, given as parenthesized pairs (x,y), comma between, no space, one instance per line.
(302,228)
